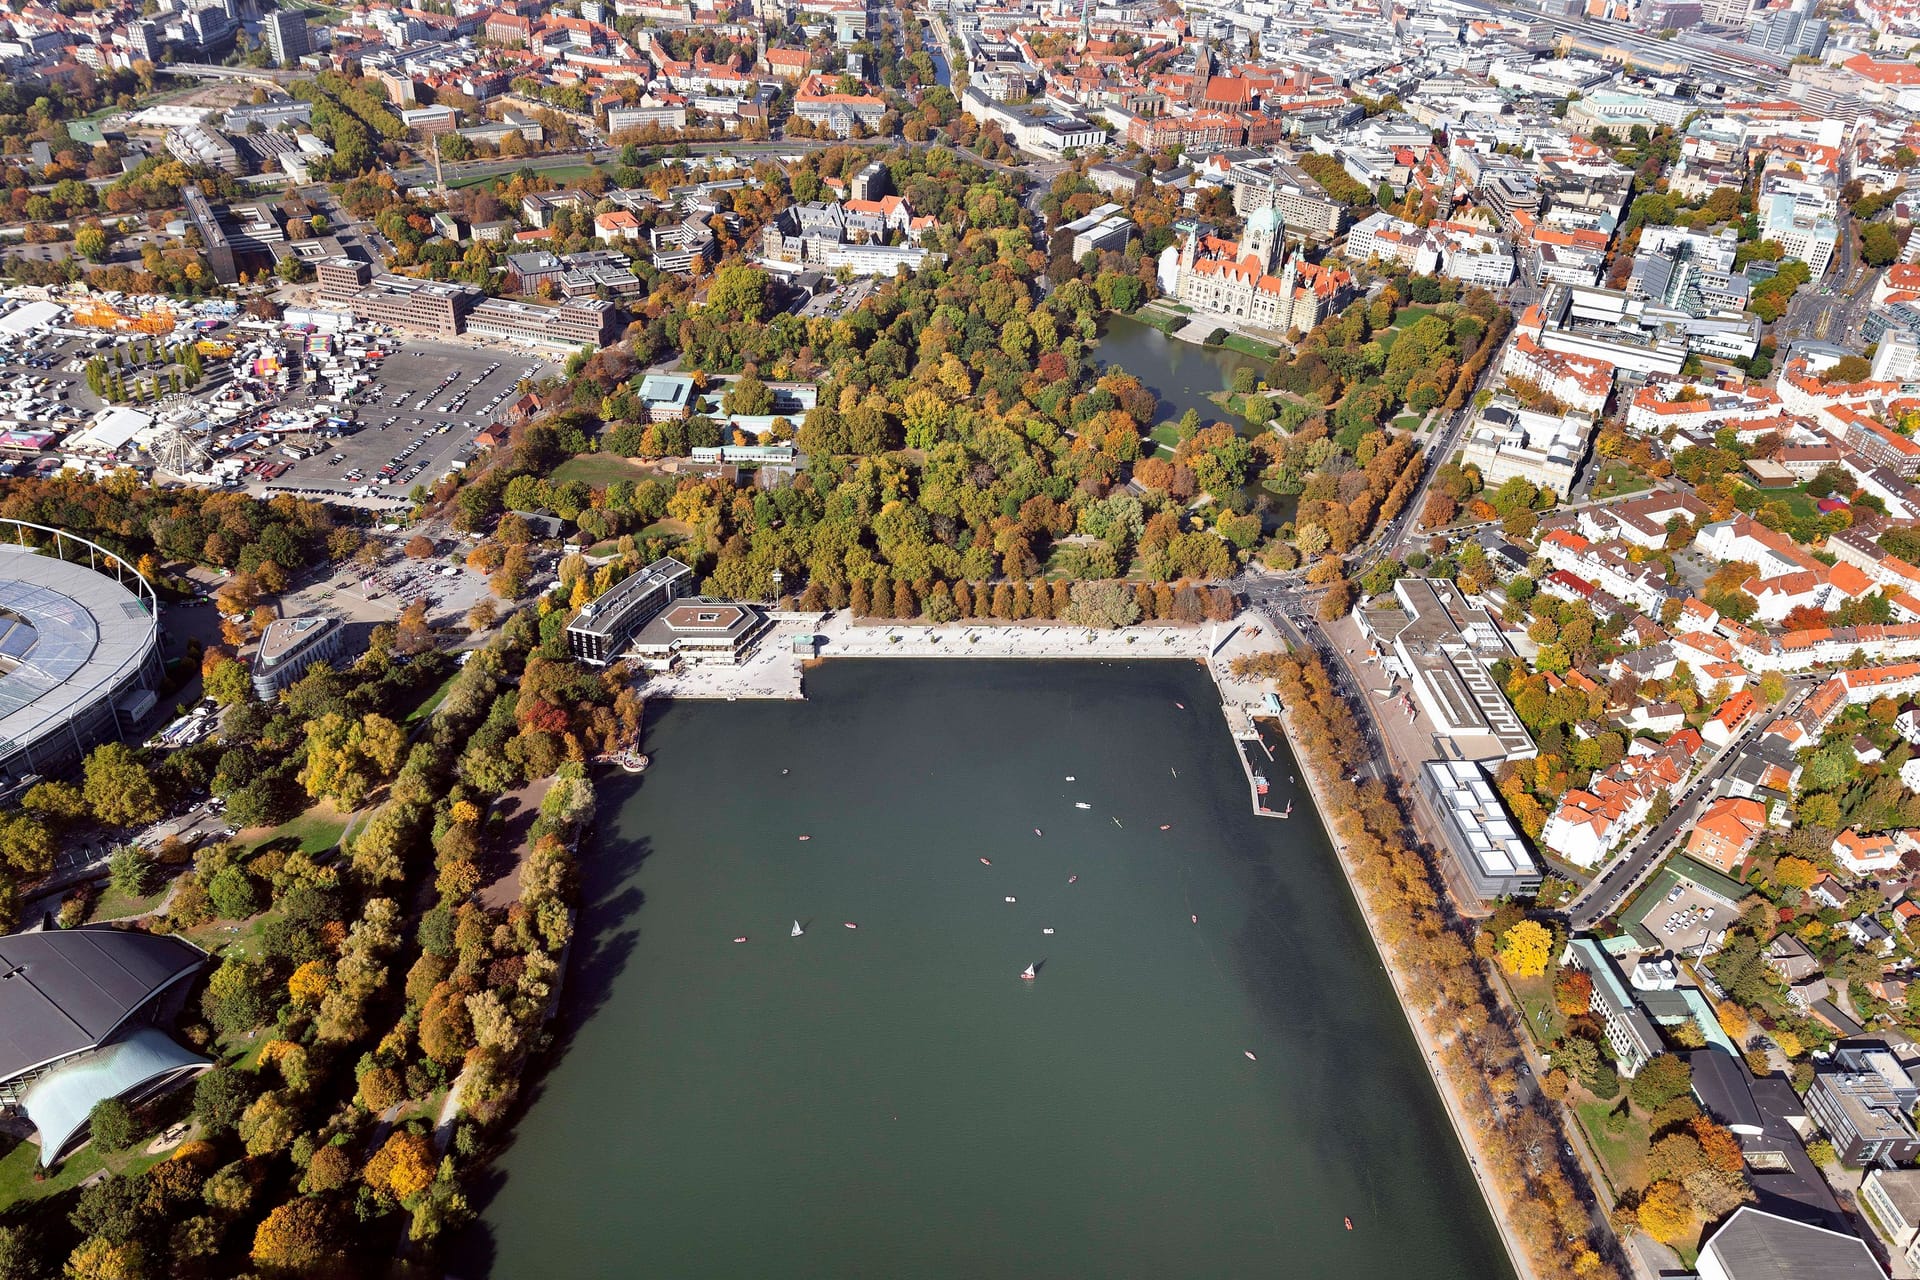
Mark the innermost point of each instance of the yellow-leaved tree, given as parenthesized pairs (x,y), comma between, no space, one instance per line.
(1526,948)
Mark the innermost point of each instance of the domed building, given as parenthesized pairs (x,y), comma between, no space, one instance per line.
(1256,279)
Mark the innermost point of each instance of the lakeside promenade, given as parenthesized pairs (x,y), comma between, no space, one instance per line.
(1424,1034)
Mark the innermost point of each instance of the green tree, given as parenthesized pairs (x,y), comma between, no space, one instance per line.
(91,243)
(236,999)
(118,791)
(111,1123)
(1661,1081)
(219,1097)
(130,871)
(740,293)
(233,893)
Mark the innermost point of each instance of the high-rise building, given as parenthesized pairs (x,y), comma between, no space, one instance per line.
(286,33)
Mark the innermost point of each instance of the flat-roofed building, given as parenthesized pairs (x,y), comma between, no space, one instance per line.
(431,306)
(1861,1097)
(1892,1200)
(576,322)
(1481,838)
(1442,644)
(602,629)
(1755,1245)
(214,244)
(699,630)
(291,645)
(1543,449)
(1635,1040)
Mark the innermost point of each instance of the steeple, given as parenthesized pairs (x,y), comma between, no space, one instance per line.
(1266,238)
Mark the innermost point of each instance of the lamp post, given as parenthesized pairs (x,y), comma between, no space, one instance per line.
(777,578)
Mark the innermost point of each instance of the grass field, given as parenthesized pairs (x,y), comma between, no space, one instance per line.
(1619,1136)
(665,529)
(1407,422)
(1617,479)
(1248,347)
(114,905)
(18,1166)
(597,469)
(432,701)
(1401,322)
(317,830)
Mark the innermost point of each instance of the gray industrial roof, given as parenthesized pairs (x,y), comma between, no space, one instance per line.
(1760,1246)
(67,990)
(87,630)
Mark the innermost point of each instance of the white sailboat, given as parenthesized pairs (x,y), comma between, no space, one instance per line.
(1029,974)
(797,930)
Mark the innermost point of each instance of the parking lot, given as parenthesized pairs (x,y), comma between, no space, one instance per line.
(1684,917)
(418,415)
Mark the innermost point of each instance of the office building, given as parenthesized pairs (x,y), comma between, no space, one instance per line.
(576,322)
(602,630)
(1482,841)
(289,646)
(1635,1040)
(1862,1098)
(1755,1245)
(286,35)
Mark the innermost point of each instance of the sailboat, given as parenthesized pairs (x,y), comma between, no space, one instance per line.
(797,930)
(1029,974)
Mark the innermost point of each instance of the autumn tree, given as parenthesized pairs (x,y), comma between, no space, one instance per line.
(301,1235)
(1572,991)
(403,1165)
(1526,948)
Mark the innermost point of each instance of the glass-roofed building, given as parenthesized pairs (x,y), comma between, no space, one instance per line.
(82,1018)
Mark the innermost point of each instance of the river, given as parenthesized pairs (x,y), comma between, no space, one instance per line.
(894,1100)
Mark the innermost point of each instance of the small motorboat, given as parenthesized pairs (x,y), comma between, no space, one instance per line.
(1029,974)
(1069,777)
(1081,804)
(1012,899)
(1250,1057)
(1195,919)
(1349,1222)
(1036,831)
(1072,879)
(1166,826)
(783,773)
(1181,705)
(797,930)
(851,925)
(806,837)
(741,938)
(986,862)
(1047,931)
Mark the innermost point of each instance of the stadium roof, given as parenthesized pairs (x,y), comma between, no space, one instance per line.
(62,1101)
(84,630)
(67,990)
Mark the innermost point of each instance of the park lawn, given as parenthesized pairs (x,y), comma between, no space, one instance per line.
(597,470)
(17,1167)
(1620,1141)
(1248,347)
(317,830)
(114,905)
(1535,998)
(1407,422)
(432,701)
(1164,321)
(1167,436)
(668,528)
(1617,478)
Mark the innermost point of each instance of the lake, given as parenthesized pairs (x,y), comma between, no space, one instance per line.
(894,1100)
(1180,373)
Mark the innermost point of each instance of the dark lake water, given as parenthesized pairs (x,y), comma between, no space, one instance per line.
(1180,373)
(894,1101)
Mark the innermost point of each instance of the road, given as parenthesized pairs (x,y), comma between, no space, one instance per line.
(1608,890)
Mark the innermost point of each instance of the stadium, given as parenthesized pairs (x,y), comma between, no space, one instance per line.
(79,648)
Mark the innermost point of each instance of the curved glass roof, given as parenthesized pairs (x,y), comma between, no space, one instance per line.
(60,1102)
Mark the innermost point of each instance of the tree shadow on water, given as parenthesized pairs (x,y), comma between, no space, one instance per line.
(607,934)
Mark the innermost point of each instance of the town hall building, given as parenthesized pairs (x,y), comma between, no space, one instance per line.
(1256,280)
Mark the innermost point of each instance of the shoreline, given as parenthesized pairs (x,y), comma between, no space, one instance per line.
(1422,1034)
